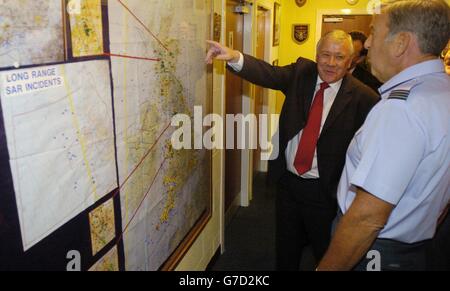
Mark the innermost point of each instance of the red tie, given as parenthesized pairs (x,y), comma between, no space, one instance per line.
(310,137)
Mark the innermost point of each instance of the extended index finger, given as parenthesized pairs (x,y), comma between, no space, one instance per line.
(214,43)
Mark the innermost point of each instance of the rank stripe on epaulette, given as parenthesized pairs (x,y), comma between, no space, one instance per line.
(399,94)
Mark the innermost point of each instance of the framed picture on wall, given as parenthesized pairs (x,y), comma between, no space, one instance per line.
(276,24)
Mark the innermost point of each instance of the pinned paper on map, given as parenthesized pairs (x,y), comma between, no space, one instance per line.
(102,226)
(109,263)
(86,29)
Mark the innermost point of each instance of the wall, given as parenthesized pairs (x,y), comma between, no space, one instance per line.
(290,51)
(292,14)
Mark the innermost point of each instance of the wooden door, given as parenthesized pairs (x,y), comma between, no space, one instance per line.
(349,23)
(234,35)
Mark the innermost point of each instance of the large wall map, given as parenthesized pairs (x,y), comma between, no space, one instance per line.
(88,89)
(31,32)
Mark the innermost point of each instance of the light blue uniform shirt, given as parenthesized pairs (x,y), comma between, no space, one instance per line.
(402,153)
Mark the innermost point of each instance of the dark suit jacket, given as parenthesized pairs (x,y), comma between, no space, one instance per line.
(298,82)
(367,78)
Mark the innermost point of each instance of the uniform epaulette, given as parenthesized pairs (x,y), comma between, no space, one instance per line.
(399,94)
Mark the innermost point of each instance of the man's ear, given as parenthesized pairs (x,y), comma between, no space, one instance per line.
(402,42)
(349,65)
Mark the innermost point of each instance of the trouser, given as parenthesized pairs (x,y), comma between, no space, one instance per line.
(439,249)
(391,255)
(303,217)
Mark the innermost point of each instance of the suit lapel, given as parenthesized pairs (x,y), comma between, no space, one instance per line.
(310,84)
(343,98)
(298,109)
(309,96)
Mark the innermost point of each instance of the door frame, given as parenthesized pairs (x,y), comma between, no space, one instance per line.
(344,12)
(228,213)
(248,100)
(263,165)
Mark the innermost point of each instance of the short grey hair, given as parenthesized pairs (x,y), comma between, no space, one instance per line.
(429,20)
(339,36)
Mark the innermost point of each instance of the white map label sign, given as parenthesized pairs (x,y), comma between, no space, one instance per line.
(29,81)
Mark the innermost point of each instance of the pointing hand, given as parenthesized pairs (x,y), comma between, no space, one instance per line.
(221,53)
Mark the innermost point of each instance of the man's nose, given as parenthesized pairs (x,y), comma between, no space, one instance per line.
(368,42)
(332,61)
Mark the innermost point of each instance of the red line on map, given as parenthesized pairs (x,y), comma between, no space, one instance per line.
(142,160)
(143,25)
(151,185)
(141,203)
(131,57)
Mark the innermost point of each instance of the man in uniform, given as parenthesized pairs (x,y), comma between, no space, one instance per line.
(395,183)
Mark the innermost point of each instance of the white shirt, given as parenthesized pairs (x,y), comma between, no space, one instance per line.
(402,153)
(292,148)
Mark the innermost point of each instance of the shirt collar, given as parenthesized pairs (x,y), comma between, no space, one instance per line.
(418,70)
(335,86)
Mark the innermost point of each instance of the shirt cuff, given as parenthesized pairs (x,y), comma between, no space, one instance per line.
(237,67)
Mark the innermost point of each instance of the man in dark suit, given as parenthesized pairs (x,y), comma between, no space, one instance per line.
(366,77)
(324,108)
(358,69)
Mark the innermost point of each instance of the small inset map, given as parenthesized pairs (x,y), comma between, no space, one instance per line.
(87,29)
(109,263)
(102,226)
